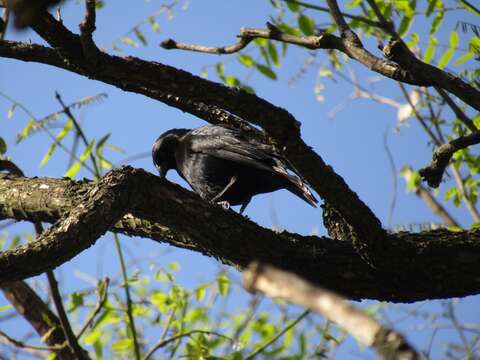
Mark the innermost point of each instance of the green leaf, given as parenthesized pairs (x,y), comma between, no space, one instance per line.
(232,81)
(154,24)
(66,129)
(293,6)
(246,60)
(223,284)
(76,167)
(129,41)
(453,39)
(464,58)
(430,52)
(122,345)
(260,41)
(431,7)
(26,130)
(414,39)
(3,146)
(174,266)
(200,292)
(77,300)
(437,21)
(11,110)
(352,4)
(265,70)
(272,51)
(445,59)
(140,36)
(48,155)
(5,307)
(405,25)
(306,24)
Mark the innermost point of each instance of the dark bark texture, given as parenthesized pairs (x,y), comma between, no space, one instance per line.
(434,264)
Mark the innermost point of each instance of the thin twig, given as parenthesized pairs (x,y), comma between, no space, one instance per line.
(289,326)
(386,24)
(172,44)
(163,343)
(79,130)
(348,16)
(458,112)
(17,343)
(126,286)
(102,299)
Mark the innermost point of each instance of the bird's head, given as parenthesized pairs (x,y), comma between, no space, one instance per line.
(163,150)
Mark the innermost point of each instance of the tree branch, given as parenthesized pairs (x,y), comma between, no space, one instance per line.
(179,88)
(428,265)
(28,304)
(364,328)
(97,211)
(433,173)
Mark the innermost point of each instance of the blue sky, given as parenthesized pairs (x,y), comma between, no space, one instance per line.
(352,142)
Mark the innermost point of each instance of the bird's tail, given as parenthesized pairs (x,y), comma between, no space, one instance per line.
(299,188)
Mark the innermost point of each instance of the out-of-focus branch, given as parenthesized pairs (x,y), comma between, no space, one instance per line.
(346,15)
(458,112)
(430,200)
(364,328)
(433,173)
(29,305)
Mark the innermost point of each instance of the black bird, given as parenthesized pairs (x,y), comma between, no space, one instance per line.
(226,165)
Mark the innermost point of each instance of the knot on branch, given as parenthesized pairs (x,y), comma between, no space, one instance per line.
(433,173)
(169,44)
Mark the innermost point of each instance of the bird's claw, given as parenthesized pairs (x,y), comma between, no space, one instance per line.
(224,204)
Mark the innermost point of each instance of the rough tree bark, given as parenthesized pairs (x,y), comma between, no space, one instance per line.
(433,264)
(372,263)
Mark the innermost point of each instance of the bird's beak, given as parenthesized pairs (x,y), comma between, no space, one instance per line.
(162,170)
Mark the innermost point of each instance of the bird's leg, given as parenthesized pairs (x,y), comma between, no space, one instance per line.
(244,205)
(230,183)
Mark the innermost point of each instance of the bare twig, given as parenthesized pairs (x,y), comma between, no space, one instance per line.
(386,24)
(364,328)
(289,326)
(430,201)
(102,299)
(172,44)
(458,112)
(20,344)
(80,132)
(348,16)
(433,173)
(165,342)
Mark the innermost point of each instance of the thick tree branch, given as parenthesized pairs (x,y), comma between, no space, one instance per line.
(427,265)
(97,211)
(363,327)
(433,173)
(179,88)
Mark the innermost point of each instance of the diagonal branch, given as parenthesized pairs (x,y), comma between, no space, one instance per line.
(274,282)
(36,312)
(427,265)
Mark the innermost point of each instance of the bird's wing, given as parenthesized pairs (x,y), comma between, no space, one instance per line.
(231,144)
